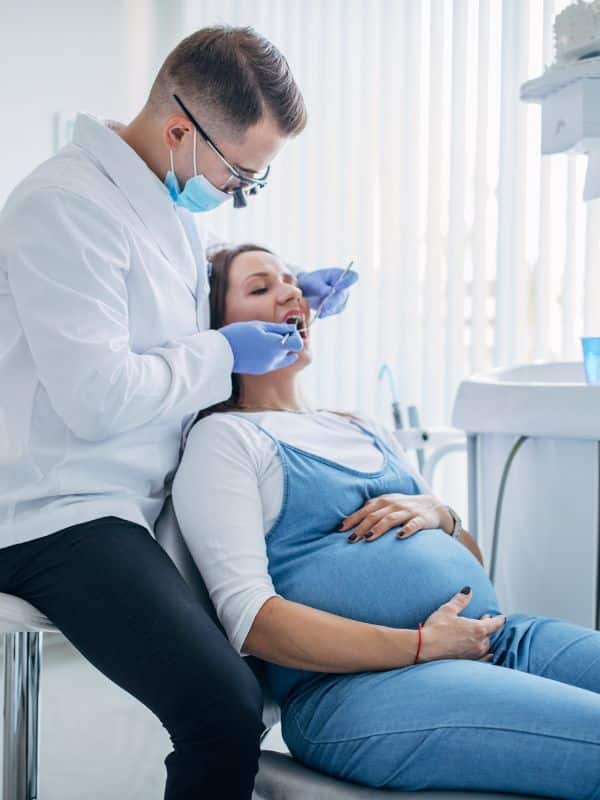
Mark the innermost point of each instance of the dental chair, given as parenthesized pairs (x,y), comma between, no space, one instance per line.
(280,777)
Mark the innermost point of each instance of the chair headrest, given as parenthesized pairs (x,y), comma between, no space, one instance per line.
(168,535)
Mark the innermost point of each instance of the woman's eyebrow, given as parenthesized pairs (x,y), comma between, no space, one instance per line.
(287,277)
(257,275)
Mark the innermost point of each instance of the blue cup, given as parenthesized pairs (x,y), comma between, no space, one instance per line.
(591,358)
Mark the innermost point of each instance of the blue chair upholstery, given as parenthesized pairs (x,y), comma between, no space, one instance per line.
(281,777)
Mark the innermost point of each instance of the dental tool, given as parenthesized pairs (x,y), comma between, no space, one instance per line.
(414,420)
(321,304)
(385,371)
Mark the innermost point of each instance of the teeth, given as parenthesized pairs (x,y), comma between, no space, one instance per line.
(298,322)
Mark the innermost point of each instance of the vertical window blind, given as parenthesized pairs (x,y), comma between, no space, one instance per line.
(422,164)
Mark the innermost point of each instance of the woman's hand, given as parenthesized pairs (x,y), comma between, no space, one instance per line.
(411,512)
(446,635)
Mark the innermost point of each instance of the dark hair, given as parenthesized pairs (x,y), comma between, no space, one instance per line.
(238,74)
(220,263)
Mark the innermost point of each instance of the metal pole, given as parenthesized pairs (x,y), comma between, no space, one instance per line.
(598,545)
(414,421)
(472,468)
(22,663)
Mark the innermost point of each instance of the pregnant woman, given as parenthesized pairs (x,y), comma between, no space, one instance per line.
(391,660)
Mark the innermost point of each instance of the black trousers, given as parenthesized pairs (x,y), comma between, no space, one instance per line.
(118,597)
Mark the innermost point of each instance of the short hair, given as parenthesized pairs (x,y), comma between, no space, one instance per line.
(234,73)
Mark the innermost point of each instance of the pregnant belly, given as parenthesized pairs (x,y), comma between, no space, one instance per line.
(385,582)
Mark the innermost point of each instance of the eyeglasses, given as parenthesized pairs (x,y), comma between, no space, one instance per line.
(251,185)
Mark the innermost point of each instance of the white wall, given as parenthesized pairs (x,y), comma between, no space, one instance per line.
(71,56)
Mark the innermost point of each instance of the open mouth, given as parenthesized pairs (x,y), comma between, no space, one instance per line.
(299,322)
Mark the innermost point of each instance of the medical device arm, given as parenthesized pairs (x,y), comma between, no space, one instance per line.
(295,635)
(68,275)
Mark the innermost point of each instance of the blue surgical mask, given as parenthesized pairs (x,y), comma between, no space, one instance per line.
(198,194)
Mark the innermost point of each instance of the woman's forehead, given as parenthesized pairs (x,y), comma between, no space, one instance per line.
(257,261)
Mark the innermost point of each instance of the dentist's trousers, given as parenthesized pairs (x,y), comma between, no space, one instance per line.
(527,722)
(118,597)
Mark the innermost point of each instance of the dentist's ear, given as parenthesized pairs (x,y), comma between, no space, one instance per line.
(174,131)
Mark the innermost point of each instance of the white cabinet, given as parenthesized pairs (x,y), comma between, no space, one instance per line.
(571,117)
(569,95)
(548,539)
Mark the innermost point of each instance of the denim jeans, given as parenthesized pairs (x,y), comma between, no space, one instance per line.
(527,722)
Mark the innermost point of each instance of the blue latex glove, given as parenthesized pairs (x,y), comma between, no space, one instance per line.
(317,284)
(257,346)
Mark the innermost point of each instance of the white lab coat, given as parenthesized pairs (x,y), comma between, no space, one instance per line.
(104,352)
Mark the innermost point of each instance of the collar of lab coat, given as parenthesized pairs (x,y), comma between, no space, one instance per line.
(143,189)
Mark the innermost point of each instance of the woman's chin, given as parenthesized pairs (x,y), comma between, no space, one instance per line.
(303,360)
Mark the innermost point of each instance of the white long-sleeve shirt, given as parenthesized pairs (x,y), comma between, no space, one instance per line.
(104,352)
(228,492)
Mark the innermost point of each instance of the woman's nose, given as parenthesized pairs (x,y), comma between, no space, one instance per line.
(290,293)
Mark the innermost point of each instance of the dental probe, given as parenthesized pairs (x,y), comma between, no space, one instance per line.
(321,304)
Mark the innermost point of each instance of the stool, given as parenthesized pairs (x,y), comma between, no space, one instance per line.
(23,627)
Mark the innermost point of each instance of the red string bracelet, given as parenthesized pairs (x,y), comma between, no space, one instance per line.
(420,641)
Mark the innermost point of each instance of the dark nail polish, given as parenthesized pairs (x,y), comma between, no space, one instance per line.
(368,535)
(402,536)
(352,537)
(465,589)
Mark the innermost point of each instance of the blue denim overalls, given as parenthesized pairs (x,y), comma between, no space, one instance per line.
(445,723)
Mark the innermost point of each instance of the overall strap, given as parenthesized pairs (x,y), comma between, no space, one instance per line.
(260,428)
(381,443)
(363,428)
(371,434)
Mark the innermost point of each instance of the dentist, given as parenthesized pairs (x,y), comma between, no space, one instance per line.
(105,358)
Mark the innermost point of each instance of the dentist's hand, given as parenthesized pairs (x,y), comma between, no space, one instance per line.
(446,635)
(257,346)
(317,284)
